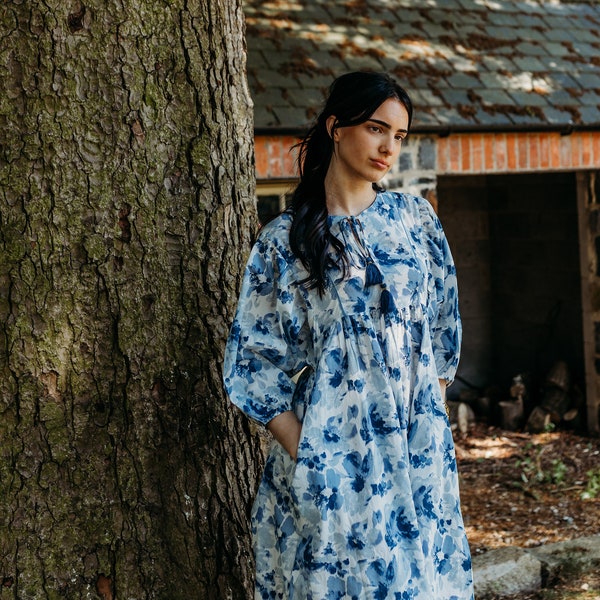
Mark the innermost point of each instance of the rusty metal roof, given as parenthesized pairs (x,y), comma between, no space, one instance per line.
(467,64)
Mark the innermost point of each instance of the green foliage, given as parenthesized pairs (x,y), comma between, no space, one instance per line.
(558,472)
(530,466)
(533,471)
(592,489)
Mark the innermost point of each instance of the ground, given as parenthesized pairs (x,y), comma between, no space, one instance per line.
(520,489)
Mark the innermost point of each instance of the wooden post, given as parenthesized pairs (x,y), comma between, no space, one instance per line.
(585,182)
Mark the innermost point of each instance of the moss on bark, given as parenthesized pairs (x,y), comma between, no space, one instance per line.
(126,202)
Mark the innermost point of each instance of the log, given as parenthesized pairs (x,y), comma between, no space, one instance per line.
(556,398)
(559,376)
(539,420)
(461,415)
(512,414)
(571,415)
(572,419)
(465,414)
(557,402)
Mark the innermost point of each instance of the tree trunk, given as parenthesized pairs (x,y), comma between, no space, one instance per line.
(126,212)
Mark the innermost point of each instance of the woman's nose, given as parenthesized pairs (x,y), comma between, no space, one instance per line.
(386,147)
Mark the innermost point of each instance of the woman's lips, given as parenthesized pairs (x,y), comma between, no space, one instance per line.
(380,164)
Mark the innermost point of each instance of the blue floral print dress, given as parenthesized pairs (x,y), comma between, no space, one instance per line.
(370,510)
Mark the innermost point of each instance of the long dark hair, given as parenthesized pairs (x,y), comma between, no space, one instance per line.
(353,98)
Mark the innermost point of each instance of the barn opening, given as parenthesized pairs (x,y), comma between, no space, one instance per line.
(515,243)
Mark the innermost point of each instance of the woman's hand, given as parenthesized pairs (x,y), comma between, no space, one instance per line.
(286,428)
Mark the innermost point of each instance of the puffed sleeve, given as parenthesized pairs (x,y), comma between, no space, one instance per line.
(444,317)
(268,340)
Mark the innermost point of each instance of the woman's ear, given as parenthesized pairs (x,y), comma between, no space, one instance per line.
(330,124)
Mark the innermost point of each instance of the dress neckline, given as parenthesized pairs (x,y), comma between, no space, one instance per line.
(376,201)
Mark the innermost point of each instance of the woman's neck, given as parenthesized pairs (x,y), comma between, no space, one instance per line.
(346,199)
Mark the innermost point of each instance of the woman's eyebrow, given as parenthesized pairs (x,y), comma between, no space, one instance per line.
(387,125)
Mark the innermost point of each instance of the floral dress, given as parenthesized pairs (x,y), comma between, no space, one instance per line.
(370,510)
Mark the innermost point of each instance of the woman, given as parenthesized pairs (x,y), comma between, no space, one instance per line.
(354,289)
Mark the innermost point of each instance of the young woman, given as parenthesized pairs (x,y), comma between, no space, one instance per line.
(346,334)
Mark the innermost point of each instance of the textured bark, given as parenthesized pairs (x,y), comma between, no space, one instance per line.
(126,207)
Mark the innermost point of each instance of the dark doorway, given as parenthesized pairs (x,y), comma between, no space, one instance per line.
(515,243)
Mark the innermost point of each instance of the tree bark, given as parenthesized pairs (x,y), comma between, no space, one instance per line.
(126,212)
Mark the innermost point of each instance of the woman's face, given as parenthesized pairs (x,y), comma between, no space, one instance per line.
(366,152)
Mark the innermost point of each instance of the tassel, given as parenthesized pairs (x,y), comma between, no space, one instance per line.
(386,302)
(373,274)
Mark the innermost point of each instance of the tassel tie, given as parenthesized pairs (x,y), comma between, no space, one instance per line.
(373,275)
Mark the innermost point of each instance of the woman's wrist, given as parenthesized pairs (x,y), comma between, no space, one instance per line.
(286,428)
(443,385)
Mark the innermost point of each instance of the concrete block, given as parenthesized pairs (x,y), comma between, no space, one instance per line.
(579,554)
(506,571)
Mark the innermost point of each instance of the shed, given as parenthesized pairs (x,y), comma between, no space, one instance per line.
(505,144)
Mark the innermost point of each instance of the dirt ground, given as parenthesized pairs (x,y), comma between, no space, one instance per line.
(520,489)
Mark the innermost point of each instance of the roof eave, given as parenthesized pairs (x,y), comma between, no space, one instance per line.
(446,130)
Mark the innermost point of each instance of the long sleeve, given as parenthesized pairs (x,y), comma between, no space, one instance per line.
(268,340)
(444,317)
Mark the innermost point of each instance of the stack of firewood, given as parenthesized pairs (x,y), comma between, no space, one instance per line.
(559,401)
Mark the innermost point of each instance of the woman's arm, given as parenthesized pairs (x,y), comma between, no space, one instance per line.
(286,428)
(443,384)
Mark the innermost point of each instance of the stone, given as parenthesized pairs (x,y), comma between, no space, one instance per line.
(406,162)
(427,154)
(575,555)
(511,570)
(506,571)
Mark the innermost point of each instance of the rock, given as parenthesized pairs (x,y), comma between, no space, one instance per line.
(572,556)
(506,571)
